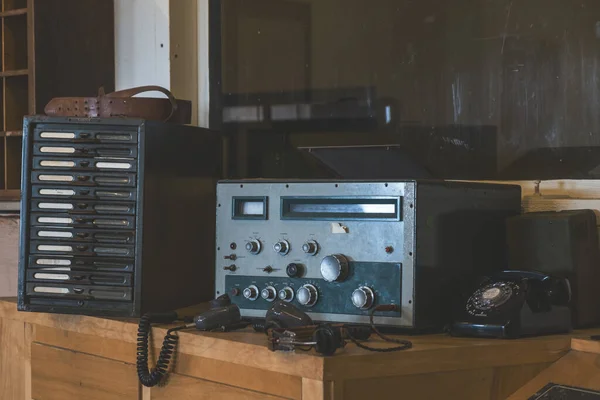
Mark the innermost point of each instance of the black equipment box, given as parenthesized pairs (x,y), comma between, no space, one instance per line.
(563,244)
(117,216)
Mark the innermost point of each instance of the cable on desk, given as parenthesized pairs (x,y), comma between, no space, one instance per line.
(152,378)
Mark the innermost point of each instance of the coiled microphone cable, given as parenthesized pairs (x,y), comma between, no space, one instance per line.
(153,377)
(220,318)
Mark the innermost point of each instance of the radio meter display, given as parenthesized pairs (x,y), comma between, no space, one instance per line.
(249,208)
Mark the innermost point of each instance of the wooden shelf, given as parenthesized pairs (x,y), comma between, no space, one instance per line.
(10,195)
(10,13)
(16,72)
(37,37)
(10,5)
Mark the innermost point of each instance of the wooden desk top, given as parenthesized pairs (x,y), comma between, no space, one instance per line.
(430,353)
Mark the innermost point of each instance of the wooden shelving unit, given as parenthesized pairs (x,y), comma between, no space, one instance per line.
(15,94)
(47,52)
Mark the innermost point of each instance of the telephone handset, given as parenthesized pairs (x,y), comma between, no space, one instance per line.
(511,304)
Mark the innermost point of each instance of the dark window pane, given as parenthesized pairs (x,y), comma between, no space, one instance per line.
(462,89)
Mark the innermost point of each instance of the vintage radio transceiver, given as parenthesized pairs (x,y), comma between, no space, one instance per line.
(338,248)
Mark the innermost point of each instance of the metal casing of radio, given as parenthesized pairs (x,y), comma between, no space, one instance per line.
(338,248)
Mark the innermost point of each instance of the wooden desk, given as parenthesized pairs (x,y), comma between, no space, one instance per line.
(50,356)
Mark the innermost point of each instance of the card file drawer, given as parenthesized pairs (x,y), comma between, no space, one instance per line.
(83,178)
(95,221)
(84,150)
(82,207)
(82,193)
(68,133)
(84,164)
(48,275)
(81,249)
(82,235)
(74,263)
(78,292)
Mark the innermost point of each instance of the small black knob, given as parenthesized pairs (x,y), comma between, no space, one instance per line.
(84,135)
(231,268)
(268,269)
(294,270)
(231,257)
(84,163)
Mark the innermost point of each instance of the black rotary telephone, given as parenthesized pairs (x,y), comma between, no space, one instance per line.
(511,304)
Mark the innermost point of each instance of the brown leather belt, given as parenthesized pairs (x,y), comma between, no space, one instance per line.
(123,104)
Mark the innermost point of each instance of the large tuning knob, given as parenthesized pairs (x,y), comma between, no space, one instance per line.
(334,268)
(307,295)
(363,298)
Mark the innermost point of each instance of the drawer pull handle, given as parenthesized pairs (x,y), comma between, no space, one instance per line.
(83,178)
(84,163)
(53,290)
(65,150)
(57,135)
(82,151)
(57,192)
(82,206)
(81,248)
(78,291)
(113,165)
(84,192)
(84,135)
(78,277)
(54,163)
(82,235)
(56,178)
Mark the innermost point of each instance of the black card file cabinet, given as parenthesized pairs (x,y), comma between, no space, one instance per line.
(117,216)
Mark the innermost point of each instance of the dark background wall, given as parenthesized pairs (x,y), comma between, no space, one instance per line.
(528,68)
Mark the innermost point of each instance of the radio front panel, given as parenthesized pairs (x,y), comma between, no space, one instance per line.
(334,249)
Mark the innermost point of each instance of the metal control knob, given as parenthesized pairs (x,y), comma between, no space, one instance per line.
(286,294)
(282,247)
(307,295)
(251,293)
(311,247)
(334,268)
(363,298)
(254,246)
(294,270)
(269,293)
